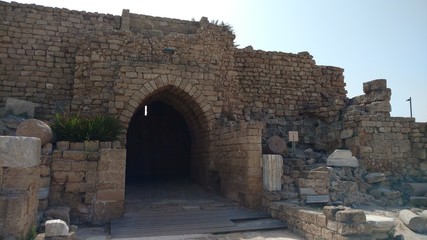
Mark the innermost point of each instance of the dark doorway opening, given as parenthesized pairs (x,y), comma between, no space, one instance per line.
(158,144)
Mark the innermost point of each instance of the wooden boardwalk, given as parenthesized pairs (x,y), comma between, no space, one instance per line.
(176,209)
(192,222)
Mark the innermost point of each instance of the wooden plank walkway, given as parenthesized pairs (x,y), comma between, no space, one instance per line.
(173,209)
(151,224)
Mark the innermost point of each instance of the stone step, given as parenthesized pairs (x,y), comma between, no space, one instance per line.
(380,223)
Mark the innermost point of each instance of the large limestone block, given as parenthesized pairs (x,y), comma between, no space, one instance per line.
(56,228)
(378,96)
(378,84)
(18,106)
(342,158)
(272,171)
(380,223)
(19,152)
(35,128)
(379,107)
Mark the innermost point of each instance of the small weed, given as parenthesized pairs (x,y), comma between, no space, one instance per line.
(32,234)
(391,233)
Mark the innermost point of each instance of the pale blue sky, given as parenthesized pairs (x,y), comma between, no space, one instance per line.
(370,39)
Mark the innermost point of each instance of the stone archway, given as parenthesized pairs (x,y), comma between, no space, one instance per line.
(188,107)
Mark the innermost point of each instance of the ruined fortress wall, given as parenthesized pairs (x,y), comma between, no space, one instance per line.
(37,52)
(158,26)
(289,85)
(391,145)
(39,45)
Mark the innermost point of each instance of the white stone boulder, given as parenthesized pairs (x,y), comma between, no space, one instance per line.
(35,128)
(56,228)
(342,158)
(19,152)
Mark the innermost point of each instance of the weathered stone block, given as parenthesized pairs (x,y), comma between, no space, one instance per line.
(20,179)
(74,155)
(307,191)
(63,145)
(330,211)
(116,145)
(346,133)
(347,229)
(318,199)
(375,177)
(350,216)
(378,96)
(19,152)
(379,107)
(77,146)
(105,145)
(13,206)
(378,84)
(18,106)
(56,227)
(380,223)
(91,146)
(74,177)
(60,177)
(342,158)
(93,156)
(75,187)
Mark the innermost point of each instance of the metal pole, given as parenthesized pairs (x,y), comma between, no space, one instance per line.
(410,105)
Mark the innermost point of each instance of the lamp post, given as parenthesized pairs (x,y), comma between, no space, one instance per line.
(410,104)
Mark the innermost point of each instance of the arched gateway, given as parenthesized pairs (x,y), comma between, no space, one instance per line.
(168,133)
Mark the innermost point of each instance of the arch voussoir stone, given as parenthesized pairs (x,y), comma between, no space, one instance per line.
(186,92)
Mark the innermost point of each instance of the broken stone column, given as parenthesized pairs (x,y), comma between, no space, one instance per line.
(19,174)
(412,221)
(272,166)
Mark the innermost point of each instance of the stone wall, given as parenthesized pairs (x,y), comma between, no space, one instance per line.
(89,178)
(331,223)
(237,162)
(395,146)
(156,26)
(37,52)
(19,178)
(288,85)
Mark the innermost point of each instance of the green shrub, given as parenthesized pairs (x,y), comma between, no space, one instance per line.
(75,128)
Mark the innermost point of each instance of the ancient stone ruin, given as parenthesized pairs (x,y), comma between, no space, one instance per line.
(219,115)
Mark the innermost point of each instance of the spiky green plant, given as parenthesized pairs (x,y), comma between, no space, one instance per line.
(75,128)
